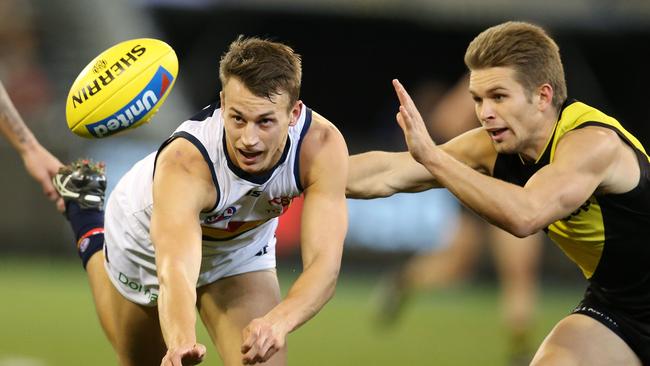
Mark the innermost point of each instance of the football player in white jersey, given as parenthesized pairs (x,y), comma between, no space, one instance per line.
(199,233)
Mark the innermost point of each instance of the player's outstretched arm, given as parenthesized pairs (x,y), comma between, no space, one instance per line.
(323,166)
(40,164)
(377,174)
(182,188)
(552,193)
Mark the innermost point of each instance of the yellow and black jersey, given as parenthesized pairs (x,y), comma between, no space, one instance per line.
(608,236)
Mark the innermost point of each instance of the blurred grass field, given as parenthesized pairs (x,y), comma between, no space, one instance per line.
(47,318)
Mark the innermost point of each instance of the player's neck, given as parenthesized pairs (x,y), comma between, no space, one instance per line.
(540,140)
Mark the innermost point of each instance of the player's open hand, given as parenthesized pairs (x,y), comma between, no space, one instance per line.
(262,339)
(409,119)
(190,355)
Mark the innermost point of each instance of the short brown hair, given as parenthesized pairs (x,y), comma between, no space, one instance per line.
(266,68)
(525,47)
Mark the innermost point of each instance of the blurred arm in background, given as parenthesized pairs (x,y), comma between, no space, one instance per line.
(40,164)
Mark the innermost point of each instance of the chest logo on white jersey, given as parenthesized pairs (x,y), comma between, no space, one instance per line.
(224,215)
(279,204)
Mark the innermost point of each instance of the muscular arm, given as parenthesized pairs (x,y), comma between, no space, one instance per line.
(40,164)
(381,174)
(323,163)
(549,195)
(182,187)
(585,160)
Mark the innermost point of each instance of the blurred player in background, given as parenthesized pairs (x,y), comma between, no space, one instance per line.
(200,232)
(542,161)
(449,115)
(40,164)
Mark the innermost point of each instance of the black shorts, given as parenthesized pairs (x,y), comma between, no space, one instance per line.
(631,325)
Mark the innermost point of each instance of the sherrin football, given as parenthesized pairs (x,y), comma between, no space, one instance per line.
(122,88)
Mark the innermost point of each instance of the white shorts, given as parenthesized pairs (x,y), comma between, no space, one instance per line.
(131,259)
(140,285)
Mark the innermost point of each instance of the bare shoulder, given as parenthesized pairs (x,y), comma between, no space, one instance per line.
(322,131)
(602,152)
(323,149)
(181,153)
(592,143)
(181,167)
(321,136)
(595,136)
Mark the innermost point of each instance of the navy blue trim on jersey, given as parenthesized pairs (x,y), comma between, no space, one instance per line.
(203,114)
(296,167)
(255,178)
(191,138)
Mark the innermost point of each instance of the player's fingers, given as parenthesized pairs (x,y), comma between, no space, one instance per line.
(200,349)
(250,336)
(247,344)
(167,361)
(50,192)
(403,96)
(270,352)
(255,354)
(249,352)
(264,347)
(404,118)
(195,355)
(399,90)
(60,205)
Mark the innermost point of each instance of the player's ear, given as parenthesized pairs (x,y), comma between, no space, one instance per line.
(221,99)
(545,93)
(295,113)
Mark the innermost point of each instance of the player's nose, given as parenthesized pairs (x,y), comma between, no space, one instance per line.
(250,135)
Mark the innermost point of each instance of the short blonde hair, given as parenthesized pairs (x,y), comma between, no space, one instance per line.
(525,47)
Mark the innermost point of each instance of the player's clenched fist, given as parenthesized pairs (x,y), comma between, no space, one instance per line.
(262,339)
(192,355)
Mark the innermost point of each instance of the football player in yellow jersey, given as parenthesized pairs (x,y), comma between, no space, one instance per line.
(541,162)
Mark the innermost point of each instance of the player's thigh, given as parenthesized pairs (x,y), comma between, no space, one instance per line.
(581,340)
(228,305)
(132,329)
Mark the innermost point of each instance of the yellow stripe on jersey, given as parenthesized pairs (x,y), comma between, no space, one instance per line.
(581,236)
(578,113)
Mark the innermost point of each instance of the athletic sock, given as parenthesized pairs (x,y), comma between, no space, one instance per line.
(88,227)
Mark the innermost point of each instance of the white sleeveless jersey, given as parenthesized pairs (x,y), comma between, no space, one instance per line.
(244,215)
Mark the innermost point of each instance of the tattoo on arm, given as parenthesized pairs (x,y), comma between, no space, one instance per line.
(11,124)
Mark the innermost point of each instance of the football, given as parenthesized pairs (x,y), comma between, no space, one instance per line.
(121,88)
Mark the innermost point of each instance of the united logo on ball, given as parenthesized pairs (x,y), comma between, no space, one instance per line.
(121,88)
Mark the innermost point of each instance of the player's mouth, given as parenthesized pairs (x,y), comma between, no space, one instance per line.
(497,134)
(249,157)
